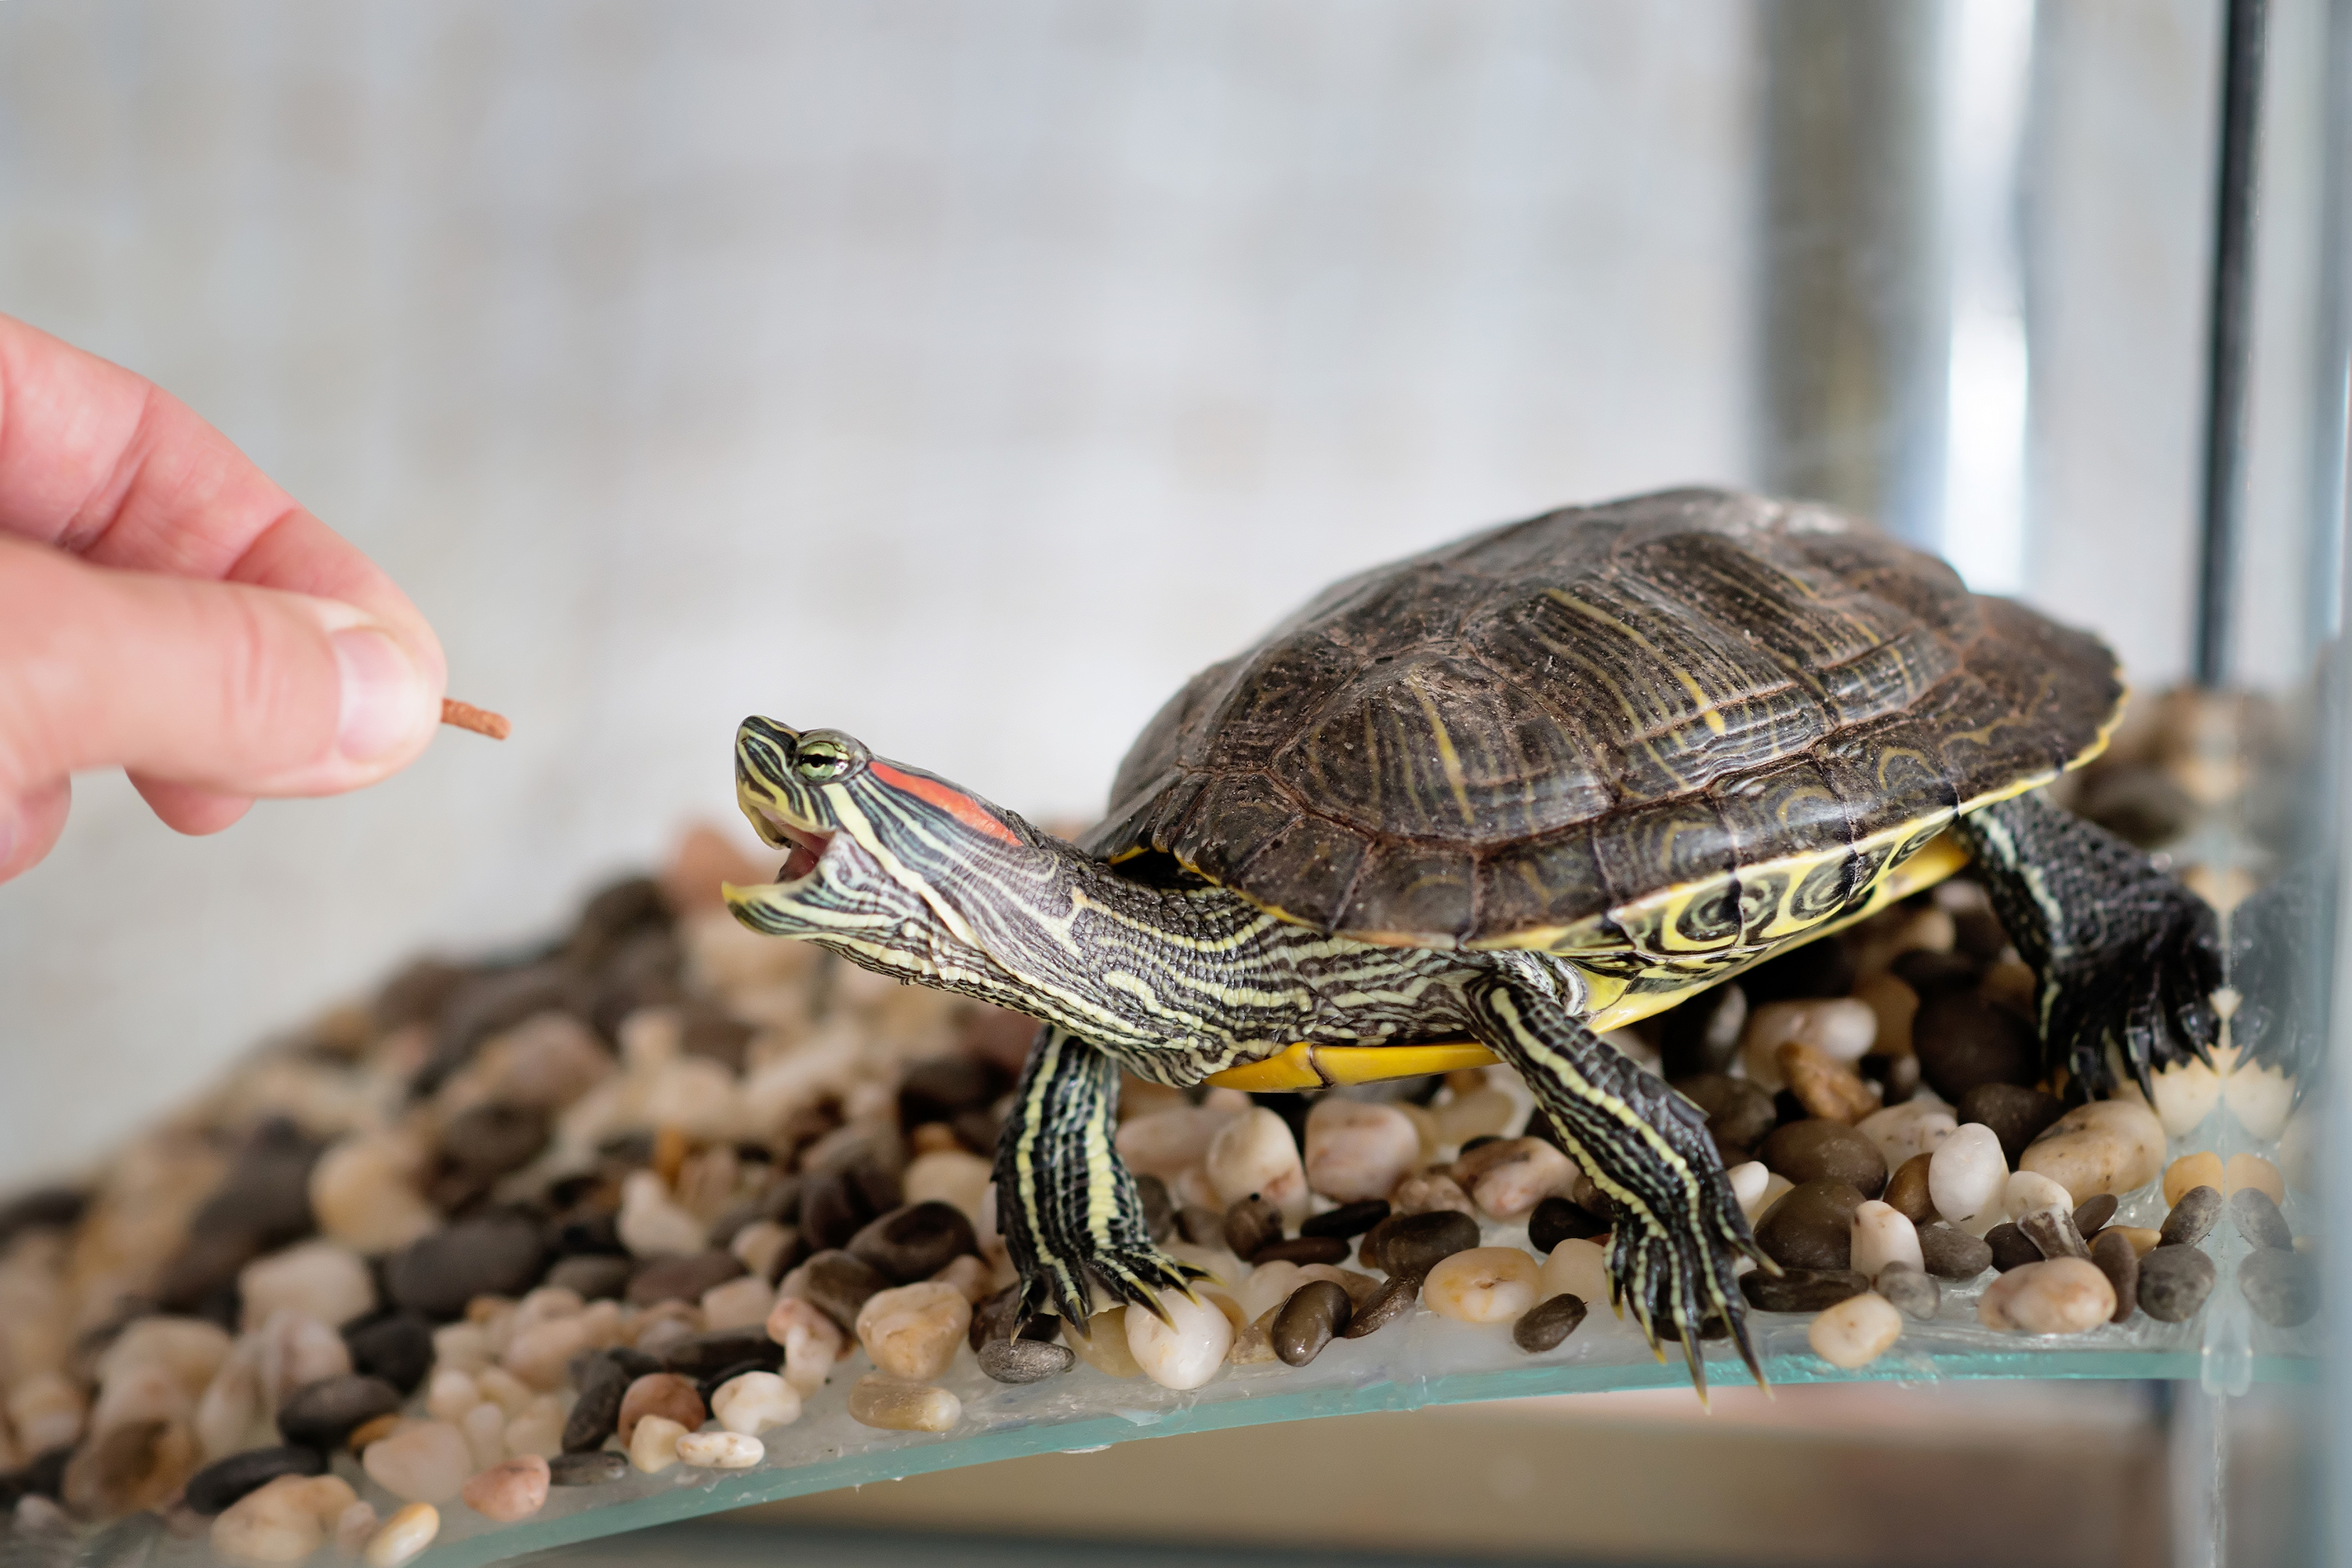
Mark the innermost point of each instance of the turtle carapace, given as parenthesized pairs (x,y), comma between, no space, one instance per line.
(1513,791)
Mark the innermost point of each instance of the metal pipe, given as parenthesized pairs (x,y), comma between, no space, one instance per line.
(2228,344)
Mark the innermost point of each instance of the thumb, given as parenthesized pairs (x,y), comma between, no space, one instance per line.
(220,685)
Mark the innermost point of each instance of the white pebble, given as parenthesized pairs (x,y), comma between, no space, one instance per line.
(1507,1178)
(45,1409)
(653,1447)
(1165,1144)
(1965,1178)
(484,1427)
(538,1430)
(316,1279)
(1856,1331)
(913,1331)
(283,1520)
(2107,1146)
(1186,1352)
(2260,1097)
(362,1193)
(1839,1027)
(2025,1192)
(1104,1344)
(1575,1268)
(758,1245)
(743,1302)
(1358,1149)
(403,1535)
(812,1342)
(1267,1284)
(1482,1112)
(2058,1296)
(354,1526)
(650,1223)
(450,1394)
(1918,1126)
(423,1461)
(1748,1181)
(754,1401)
(1882,1235)
(948,1176)
(1483,1285)
(722,1450)
(1254,1153)
(878,1401)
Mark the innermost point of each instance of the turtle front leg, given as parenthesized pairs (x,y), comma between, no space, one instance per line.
(1680,1231)
(1065,1202)
(2122,952)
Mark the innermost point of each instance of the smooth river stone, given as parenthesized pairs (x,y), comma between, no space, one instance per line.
(2203,1169)
(1482,1285)
(2258,1219)
(1025,1361)
(1414,1244)
(878,1401)
(2108,1146)
(1882,1236)
(2174,1282)
(1856,1331)
(1906,1190)
(1811,1227)
(1254,1153)
(1509,1176)
(1906,1131)
(1801,1289)
(2060,1296)
(496,1254)
(1548,1324)
(2017,1115)
(1913,1292)
(2112,1253)
(1966,1176)
(913,1331)
(2191,1218)
(914,1242)
(1818,1151)
(322,1415)
(224,1480)
(425,1461)
(1949,1253)
(1184,1351)
(2282,1288)
(509,1490)
(1316,1312)
(316,1279)
(1358,1149)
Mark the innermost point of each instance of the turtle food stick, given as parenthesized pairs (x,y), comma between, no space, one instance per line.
(480,720)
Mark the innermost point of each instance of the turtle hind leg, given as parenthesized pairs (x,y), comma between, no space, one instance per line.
(1071,1217)
(1680,1230)
(2122,952)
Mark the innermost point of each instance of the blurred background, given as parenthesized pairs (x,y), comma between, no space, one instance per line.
(966,376)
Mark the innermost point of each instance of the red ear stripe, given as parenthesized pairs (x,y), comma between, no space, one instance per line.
(954,801)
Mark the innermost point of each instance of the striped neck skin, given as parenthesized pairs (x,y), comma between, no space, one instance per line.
(905,874)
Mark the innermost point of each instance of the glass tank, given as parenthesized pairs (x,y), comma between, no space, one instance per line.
(2062,295)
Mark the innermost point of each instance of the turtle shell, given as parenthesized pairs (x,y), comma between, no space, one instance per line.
(1735,710)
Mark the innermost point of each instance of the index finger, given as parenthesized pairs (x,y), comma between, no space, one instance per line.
(101,462)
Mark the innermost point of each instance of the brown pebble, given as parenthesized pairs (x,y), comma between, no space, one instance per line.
(2191,1217)
(1416,1243)
(1823,1085)
(660,1394)
(368,1432)
(2011,1247)
(2112,1251)
(683,1279)
(1818,1151)
(1302,1249)
(1396,1299)
(2052,1230)
(2016,1114)
(1953,1254)
(1316,1314)
(1811,1227)
(2096,1216)
(1200,1226)
(1545,1324)
(1251,1223)
(1906,1191)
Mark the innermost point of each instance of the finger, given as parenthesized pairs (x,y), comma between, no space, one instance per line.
(30,827)
(230,688)
(101,462)
(184,808)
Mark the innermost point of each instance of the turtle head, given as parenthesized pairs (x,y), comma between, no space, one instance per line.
(869,845)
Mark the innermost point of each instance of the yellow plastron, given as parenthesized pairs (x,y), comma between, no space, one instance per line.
(1305,1066)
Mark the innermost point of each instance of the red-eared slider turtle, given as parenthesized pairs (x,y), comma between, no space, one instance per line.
(1555,775)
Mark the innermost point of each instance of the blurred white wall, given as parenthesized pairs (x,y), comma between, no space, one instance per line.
(965,376)
(961,375)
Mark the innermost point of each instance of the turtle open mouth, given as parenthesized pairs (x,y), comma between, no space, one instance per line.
(807,846)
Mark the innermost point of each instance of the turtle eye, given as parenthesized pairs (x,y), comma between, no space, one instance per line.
(827,758)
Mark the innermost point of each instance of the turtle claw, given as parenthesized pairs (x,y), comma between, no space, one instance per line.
(1133,1276)
(1685,1284)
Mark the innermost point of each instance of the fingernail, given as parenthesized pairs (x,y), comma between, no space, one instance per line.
(384,696)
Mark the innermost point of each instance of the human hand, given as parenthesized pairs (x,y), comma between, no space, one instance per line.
(166,609)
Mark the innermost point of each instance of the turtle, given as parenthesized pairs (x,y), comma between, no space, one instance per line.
(1484,804)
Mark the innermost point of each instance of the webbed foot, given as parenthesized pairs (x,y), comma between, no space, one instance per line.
(1680,1232)
(2123,953)
(1072,1220)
